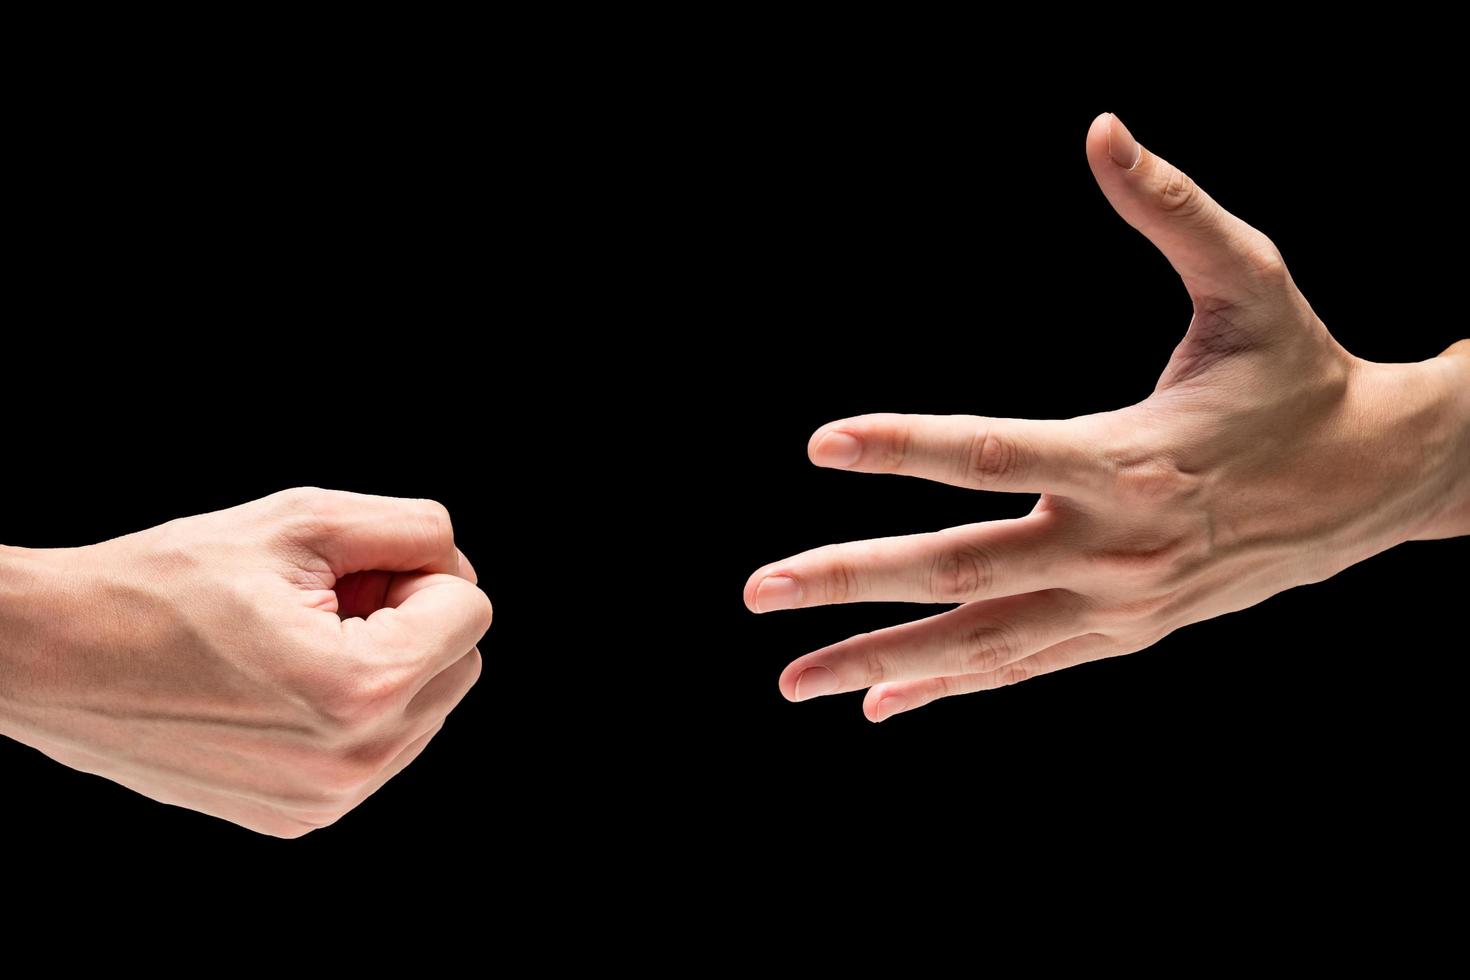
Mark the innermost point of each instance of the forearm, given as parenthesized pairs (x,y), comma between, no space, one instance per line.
(39,610)
(1451,515)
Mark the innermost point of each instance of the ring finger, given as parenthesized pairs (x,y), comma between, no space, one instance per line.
(886,700)
(977,637)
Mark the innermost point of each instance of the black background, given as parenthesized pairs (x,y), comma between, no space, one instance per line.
(598,316)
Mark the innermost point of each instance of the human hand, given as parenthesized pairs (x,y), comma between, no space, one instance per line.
(273,664)
(1267,457)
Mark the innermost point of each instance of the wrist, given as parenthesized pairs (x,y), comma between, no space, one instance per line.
(1408,432)
(1449,515)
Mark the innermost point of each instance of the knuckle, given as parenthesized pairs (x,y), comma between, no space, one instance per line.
(878,666)
(299,499)
(894,444)
(1178,195)
(841,582)
(1156,568)
(992,457)
(962,573)
(331,793)
(1142,612)
(307,511)
(1136,564)
(348,706)
(437,522)
(1265,260)
(1142,636)
(986,648)
(322,797)
(326,783)
(352,764)
(1015,673)
(1153,481)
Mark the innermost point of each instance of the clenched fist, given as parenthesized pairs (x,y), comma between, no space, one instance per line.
(273,664)
(1267,457)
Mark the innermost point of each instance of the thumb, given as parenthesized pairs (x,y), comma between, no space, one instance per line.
(1222,260)
(354,532)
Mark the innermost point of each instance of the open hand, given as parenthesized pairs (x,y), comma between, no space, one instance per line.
(1267,457)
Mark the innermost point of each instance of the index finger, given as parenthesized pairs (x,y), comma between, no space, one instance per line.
(1014,455)
(435,620)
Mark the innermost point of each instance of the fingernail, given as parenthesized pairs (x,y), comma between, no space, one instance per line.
(1122,147)
(837,449)
(777,592)
(889,707)
(814,681)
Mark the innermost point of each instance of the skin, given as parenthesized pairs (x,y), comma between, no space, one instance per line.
(1267,457)
(273,664)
